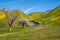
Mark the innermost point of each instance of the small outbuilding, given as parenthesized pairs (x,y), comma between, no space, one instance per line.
(34,23)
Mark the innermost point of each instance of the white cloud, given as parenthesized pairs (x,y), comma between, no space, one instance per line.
(27,10)
(11,2)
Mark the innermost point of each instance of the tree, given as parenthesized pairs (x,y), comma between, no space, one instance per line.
(11,17)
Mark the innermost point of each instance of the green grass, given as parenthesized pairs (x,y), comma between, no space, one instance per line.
(48,32)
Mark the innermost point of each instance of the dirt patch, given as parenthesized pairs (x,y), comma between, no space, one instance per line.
(8,34)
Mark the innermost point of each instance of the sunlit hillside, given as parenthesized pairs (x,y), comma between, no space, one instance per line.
(49,28)
(52,16)
(2,15)
(36,15)
(3,19)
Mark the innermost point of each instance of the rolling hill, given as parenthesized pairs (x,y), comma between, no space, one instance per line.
(36,15)
(3,20)
(51,16)
(49,31)
(2,15)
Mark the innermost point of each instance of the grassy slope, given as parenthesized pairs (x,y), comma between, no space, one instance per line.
(2,15)
(48,32)
(35,15)
(53,16)
(3,22)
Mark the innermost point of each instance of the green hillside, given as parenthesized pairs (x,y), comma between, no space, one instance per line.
(51,16)
(3,20)
(36,15)
(2,15)
(49,29)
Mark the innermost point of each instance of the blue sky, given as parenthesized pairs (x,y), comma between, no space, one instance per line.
(29,6)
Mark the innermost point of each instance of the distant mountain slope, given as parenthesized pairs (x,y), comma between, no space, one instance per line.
(2,15)
(54,13)
(21,13)
(53,16)
(35,15)
(3,20)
